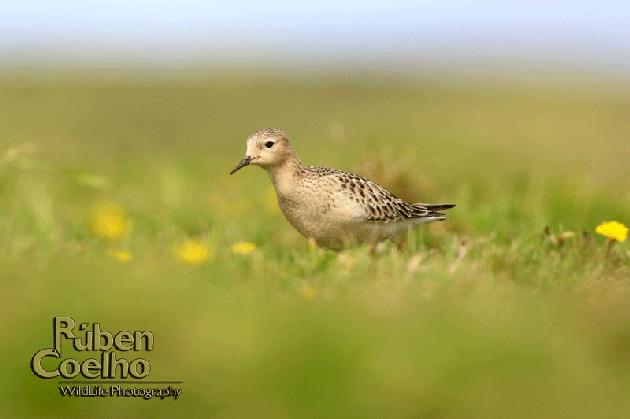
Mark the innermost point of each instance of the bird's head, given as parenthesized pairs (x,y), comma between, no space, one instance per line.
(266,148)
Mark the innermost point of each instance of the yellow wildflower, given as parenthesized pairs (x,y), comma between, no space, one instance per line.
(243,248)
(109,221)
(193,252)
(121,255)
(614,230)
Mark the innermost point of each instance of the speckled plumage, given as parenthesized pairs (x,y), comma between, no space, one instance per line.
(333,207)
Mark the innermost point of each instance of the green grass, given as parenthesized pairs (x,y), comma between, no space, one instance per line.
(484,315)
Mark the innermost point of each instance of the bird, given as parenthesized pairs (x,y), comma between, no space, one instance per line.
(334,208)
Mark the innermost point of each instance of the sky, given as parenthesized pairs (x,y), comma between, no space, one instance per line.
(593,35)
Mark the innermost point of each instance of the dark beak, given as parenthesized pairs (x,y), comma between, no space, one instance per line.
(242,164)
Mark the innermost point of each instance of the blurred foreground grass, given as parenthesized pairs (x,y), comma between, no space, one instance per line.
(484,315)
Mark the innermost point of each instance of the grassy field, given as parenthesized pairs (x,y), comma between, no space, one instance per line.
(116,207)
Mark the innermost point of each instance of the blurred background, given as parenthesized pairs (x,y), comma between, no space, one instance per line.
(119,121)
(583,37)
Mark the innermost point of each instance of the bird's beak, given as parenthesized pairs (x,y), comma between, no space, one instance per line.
(242,164)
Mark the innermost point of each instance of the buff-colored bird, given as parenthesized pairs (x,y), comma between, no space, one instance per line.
(332,207)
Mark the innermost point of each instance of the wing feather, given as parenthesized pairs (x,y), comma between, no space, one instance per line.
(379,204)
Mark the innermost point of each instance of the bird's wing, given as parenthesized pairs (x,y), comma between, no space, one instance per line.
(378,203)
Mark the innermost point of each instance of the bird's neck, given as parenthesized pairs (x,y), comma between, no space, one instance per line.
(284,175)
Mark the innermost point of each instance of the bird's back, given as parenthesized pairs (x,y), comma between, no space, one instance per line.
(377,203)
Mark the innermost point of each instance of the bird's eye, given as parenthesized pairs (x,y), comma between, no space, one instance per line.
(269,144)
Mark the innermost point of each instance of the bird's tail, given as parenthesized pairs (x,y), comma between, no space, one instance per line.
(431,211)
(436,207)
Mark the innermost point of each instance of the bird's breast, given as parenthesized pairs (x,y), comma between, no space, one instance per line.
(318,212)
